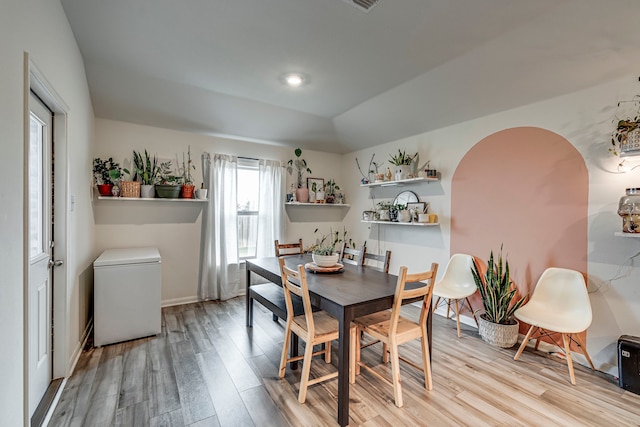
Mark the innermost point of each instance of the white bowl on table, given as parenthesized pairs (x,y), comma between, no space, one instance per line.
(325,260)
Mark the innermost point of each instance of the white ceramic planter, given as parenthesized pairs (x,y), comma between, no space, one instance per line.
(325,260)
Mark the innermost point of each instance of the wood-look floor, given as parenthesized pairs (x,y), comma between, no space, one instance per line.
(207,369)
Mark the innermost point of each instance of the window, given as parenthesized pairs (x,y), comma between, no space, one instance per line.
(248,193)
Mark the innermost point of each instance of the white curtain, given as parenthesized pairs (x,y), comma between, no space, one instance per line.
(220,275)
(271,221)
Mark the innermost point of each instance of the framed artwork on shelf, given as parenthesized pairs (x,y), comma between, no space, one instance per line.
(420,206)
(319,182)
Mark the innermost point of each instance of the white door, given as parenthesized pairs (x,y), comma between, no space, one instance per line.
(40,250)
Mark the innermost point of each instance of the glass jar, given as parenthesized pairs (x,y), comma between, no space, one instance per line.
(629,210)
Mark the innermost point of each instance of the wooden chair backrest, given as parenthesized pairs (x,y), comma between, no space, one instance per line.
(425,291)
(356,255)
(295,282)
(288,248)
(384,259)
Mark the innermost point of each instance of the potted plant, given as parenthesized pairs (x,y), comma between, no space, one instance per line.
(330,188)
(300,165)
(497,325)
(105,173)
(323,251)
(383,211)
(147,170)
(170,185)
(187,181)
(402,162)
(626,135)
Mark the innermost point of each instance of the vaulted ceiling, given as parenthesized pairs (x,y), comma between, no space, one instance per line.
(402,68)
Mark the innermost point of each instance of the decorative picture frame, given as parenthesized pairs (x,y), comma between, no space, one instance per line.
(421,206)
(318,181)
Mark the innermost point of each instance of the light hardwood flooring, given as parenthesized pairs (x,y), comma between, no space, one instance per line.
(207,369)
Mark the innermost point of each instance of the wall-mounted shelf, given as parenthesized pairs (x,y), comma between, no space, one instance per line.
(316,212)
(621,234)
(318,205)
(149,199)
(398,182)
(416,224)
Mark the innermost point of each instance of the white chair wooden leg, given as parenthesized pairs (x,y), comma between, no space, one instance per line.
(385,353)
(458,318)
(472,312)
(524,343)
(584,351)
(567,351)
(448,307)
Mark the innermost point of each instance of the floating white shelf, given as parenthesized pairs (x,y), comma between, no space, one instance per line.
(621,234)
(319,205)
(417,224)
(398,182)
(149,199)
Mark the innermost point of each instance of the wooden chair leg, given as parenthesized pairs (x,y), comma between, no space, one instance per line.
(285,350)
(472,312)
(327,352)
(385,352)
(304,375)
(358,350)
(437,302)
(458,319)
(448,307)
(426,359)
(395,374)
(352,355)
(524,343)
(567,351)
(584,351)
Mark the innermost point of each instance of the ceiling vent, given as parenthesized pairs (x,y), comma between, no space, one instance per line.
(364,5)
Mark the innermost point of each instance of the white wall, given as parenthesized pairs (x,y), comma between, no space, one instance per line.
(175,228)
(585,119)
(39,27)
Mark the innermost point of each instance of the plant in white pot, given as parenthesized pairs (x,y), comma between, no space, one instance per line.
(323,251)
(497,325)
(402,162)
(300,166)
(147,170)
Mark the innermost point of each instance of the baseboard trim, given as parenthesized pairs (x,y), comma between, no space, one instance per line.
(179,301)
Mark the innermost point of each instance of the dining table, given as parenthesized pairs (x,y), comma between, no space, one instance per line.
(352,292)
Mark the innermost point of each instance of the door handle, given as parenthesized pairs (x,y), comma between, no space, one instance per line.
(55,263)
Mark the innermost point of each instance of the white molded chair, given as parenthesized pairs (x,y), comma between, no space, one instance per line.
(559,304)
(456,284)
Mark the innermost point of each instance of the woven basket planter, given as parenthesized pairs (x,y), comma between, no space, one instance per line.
(505,336)
(129,189)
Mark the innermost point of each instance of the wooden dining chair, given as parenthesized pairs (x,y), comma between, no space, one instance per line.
(288,248)
(392,329)
(351,255)
(312,327)
(378,262)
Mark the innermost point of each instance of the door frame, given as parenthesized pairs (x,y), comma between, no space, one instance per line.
(35,81)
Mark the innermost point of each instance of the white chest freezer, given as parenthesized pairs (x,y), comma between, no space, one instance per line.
(126,295)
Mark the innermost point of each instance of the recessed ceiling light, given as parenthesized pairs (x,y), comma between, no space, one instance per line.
(294,80)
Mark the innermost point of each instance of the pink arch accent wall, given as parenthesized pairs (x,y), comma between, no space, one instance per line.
(526,188)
